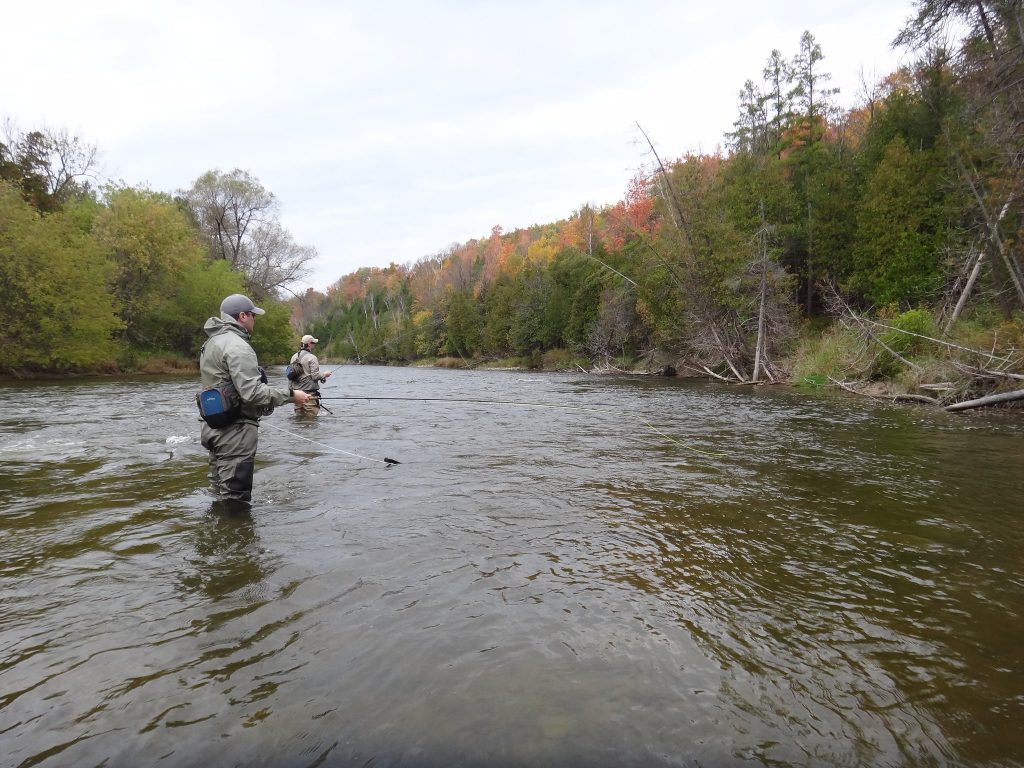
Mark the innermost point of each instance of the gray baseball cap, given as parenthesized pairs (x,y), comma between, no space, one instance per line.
(236,303)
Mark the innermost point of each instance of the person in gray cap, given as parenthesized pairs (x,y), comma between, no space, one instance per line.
(227,360)
(310,377)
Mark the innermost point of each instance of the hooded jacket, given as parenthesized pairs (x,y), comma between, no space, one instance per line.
(227,356)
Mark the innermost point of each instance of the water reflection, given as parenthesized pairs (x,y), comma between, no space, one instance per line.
(227,556)
(835,591)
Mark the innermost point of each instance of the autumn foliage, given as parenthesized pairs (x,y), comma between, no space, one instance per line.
(714,259)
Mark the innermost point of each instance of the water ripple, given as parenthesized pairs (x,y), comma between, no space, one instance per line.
(529,587)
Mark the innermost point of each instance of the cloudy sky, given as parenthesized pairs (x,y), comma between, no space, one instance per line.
(389,130)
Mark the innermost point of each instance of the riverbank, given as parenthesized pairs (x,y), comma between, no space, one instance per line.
(158,365)
(901,359)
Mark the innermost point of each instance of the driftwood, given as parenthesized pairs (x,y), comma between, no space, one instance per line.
(981,402)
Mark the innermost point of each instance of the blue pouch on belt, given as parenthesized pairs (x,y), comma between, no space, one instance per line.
(219,406)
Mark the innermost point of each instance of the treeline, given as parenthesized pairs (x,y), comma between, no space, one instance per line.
(876,240)
(119,278)
(905,209)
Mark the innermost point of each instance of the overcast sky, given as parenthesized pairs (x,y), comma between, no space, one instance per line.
(389,130)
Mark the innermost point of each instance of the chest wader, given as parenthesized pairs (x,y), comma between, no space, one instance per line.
(230,438)
(232,458)
(311,407)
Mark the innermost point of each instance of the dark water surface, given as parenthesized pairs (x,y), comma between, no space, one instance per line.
(842,585)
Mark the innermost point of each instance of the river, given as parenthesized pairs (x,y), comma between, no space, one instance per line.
(662,573)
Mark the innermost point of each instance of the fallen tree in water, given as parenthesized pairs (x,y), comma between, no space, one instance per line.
(981,402)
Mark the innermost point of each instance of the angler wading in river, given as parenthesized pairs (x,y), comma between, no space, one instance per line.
(304,373)
(235,395)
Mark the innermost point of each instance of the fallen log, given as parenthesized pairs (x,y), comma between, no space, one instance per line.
(981,402)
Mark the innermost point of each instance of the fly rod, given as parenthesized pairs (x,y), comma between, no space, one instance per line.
(386,461)
(592,409)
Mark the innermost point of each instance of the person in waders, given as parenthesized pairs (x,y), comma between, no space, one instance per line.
(310,378)
(235,395)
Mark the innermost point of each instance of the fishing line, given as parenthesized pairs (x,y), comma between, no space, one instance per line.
(385,460)
(592,409)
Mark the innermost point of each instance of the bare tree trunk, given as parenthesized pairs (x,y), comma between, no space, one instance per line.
(355,347)
(966,291)
(762,238)
(809,299)
(679,219)
(760,332)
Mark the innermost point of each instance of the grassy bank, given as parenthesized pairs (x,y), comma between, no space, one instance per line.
(907,356)
(896,355)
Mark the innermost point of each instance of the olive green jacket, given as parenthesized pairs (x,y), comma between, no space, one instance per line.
(227,356)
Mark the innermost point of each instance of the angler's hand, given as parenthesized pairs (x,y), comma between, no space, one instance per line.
(327,375)
(299,397)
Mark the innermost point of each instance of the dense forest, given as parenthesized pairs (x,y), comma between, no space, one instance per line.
(878,242)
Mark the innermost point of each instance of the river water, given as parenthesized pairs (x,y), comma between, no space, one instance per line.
(664,573)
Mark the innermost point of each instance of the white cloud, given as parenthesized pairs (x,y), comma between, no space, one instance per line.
(389,131)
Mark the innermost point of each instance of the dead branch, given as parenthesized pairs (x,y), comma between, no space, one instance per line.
(985,373)
(936,341)
(678,218)
(839,301)
(867,331)
(712,373)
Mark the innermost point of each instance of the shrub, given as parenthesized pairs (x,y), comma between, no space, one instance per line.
(914,321)
(561,360)
(833,352)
